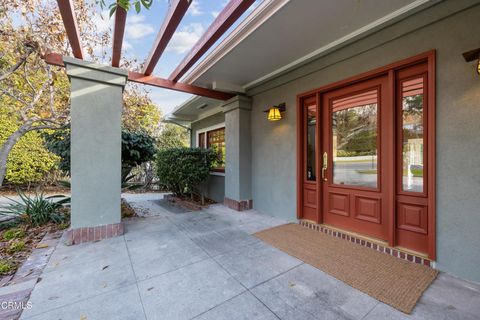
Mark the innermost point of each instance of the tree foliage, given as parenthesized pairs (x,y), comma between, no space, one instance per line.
(125,4)
(29,161)
(182,170)
(137,147)
(172,136)
(139,111)
(35,94)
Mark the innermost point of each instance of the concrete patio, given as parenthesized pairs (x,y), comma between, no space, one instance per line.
(172,264)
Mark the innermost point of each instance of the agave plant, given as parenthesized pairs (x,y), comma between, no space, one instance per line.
(36,209)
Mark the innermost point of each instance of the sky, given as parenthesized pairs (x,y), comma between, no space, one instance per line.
(141,30)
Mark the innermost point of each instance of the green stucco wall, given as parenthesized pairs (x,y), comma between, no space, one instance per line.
(215,186)
(451,27)
(96,110)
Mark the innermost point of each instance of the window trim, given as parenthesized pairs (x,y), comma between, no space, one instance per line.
(205,131)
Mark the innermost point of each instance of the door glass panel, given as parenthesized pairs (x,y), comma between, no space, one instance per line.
(354,140)
(412,133)
(311,128)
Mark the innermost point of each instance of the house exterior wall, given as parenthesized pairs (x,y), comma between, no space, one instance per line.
(215,186)
(449,28)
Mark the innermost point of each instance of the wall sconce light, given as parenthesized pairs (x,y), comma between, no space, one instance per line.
(472,56)
(275,112)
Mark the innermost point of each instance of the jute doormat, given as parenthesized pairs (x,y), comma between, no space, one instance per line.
(393,281)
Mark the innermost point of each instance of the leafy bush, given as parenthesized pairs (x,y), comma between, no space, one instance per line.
(13,233)
(173,136)
(182,170)
(29,161)
(37,209)
(5,267)
(58,142)
(137,148)
(16,246)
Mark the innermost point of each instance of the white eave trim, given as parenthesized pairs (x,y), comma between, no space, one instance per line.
(261,14)
(267,9)
(371,27)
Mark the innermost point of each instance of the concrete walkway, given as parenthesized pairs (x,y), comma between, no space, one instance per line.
(173,264)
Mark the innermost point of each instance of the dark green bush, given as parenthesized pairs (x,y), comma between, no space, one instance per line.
(182,170)
(137,148)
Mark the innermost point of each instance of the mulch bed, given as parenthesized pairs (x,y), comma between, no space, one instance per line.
(127,210)
(194,204)
(31,237)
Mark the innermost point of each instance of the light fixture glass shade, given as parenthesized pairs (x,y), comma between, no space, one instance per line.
(478,66)
(274,114)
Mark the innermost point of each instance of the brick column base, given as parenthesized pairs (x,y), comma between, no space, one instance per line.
(238,205)
(88,234)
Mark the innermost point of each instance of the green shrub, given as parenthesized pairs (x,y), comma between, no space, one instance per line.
(137,147)
(182,170)
(37,209)
(13,233)
(29,161)
(5,267)
(16,246)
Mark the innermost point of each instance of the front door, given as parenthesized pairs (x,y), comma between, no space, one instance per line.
(356,150)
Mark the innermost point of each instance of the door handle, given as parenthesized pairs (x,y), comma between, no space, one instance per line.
(324,166)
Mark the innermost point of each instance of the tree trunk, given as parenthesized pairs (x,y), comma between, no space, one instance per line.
(8,146)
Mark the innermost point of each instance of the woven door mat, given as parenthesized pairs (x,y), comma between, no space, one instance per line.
(393,281)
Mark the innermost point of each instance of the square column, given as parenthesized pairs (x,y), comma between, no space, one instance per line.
(238,140)
(96,111)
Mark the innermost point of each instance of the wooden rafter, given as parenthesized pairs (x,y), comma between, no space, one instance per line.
(118,31)
(175,14)
(177,86)
(70,21)
(232,11)
(57,60)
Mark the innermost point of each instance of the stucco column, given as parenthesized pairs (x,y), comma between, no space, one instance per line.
(96,110)
(238,168)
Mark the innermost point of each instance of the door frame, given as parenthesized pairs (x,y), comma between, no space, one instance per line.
(389,70)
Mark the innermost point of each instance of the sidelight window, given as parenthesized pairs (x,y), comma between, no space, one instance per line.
(412,135)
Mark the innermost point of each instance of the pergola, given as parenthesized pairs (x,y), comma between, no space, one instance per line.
(178,8)
(96,109)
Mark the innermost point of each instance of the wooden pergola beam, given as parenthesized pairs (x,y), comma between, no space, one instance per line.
(177,86)
(118,31)
(57,60)
(175,14)
(70,22)
(232,11)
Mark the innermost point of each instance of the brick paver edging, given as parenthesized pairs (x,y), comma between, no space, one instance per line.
(15,291)
(369,244)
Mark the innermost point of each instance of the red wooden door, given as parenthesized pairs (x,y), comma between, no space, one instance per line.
(357,156)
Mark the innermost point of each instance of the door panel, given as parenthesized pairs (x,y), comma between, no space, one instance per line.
(353,180)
